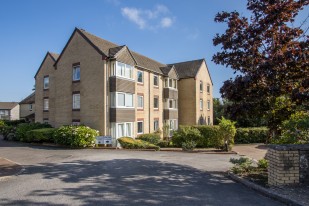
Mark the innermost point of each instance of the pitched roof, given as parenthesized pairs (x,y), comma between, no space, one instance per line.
(113,51)
(54,56)
(29,99)
(8,105)
(188,69)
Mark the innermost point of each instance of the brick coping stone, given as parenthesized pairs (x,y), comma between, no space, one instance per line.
(289,147)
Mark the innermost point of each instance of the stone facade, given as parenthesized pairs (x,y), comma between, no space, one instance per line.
(288,164)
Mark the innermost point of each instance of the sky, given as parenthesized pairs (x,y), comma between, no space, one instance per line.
(168,31)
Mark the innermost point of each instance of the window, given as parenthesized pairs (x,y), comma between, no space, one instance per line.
(75,122)
(173,125)
(172,104)
(166,82)
(208,105)
(30,107)
(76,73)
(156,125)
(122,70)
(120,99)
(76,101)
(208,88)
(156,103)
(170,83)
(46,104)
(45,121)
(140,101)
(4,112)
(46,82)
(140,128)
(208,120)
(201,104)
(140,76)
(122,129)
(201,86)
(155,80)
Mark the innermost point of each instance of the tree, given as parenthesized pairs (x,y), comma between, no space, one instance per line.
(270,57)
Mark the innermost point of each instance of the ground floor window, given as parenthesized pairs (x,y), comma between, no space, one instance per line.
(173,125)
(122,129)
(140,127)
(156,125)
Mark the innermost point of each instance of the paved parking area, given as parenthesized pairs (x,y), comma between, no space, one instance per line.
(54,176)
(255,151)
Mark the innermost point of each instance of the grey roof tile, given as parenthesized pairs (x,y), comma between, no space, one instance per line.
(8,105)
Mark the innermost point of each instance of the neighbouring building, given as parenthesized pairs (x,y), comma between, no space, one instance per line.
(9,110)
(27,108)
(118,91)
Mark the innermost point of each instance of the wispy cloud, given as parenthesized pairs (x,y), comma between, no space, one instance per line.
(159,17)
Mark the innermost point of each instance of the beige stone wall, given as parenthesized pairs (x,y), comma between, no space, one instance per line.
(186,101)
(15,113)
(25,110)
(91,85)
(203,76)
(283,167)
(47,68)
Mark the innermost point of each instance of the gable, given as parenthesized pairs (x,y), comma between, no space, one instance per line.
(173,74)
(125,56)
(204,72)
(48,61)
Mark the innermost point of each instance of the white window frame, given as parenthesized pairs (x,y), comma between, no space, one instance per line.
(154,125)
(142,127)
(30,107)
(170,83)
(74,72)
(201,104)
(174,104)
(76,104)
(175,124)
(154,102)
(46,104)
(75,123)
(114,129)
(208,105)
(123,70)
(154,77)
(46,84)
(114,100)
(142,97)
(139,71)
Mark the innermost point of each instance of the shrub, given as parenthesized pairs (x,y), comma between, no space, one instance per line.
(295,130)
(130,143)
(211,136)
(228,129)
(165,143)
(263,164)
(153,138)
(186,133)
(75,136)
(251,135)
(188,145)
(14,123)
(23,128)
(242,165)
(40,135)
(7,131)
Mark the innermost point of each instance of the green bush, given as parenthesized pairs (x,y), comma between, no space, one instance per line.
(263,164)
(40,135)
(251,135)
(75,136)
(165,143)
(242,165)
(295,130)
(14,123)
(228,129)
(7,131)
(23,128)
(130,143)
(153,138)
(188,145)
(186,133)
(211,136)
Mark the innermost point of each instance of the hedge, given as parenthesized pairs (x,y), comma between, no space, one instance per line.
(23,128)
(130,143)
(153,138)
(211,136)
(251,135)
(76,136)
(40,135)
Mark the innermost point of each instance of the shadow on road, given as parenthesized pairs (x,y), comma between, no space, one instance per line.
(135,182)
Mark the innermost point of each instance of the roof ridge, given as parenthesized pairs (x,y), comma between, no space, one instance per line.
(195,60)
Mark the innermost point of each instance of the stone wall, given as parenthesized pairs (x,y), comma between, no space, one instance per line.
(288,164)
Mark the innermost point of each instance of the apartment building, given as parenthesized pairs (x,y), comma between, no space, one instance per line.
(27,107)
(114,89)
(9,110)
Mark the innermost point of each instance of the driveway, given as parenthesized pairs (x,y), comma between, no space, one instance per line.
(54,176)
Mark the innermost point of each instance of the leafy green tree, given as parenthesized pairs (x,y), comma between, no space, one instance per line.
(270,56)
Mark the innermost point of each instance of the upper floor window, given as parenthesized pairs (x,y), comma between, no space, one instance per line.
(140,102)
(201,86)
(76,101)
(30,107)
(140,78)
(208,105)
(173,104)
(170,83)
(156,102)
(120,99)
(201,104)
(155,80)
(208,88)
(46,82)
(46,104)
(122,70)
(76,73)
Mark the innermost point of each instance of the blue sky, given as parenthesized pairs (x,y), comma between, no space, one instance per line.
(166,30)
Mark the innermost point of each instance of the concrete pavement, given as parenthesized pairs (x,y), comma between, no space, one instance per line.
(118,177)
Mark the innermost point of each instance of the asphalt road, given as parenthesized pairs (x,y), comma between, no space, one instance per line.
(54,176)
